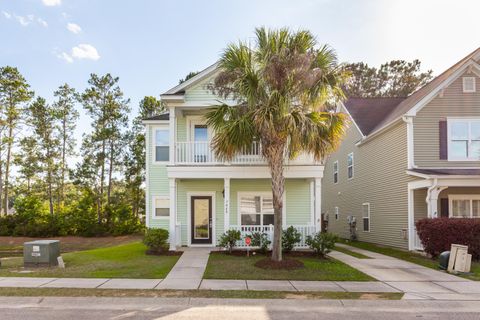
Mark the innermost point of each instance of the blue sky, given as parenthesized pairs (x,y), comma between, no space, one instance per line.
(151,44)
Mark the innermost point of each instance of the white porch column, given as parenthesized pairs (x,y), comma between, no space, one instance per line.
(411,219)
(173,213)
(318,204)
(171,130)
(432,201)
(226,204)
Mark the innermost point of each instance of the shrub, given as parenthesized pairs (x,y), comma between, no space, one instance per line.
(156,240)
(322,242)
(260,239)
(437,235)
(229,239)
(290,238)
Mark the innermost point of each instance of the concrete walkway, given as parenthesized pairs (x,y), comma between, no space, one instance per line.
(188,271)
(418,281)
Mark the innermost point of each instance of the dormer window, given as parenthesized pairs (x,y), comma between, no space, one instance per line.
(469,84)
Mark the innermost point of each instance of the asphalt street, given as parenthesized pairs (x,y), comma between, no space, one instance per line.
(53,308)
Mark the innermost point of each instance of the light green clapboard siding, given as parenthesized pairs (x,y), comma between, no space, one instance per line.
(181,128)
(297,200)
(157,183)
(379,179)
(454,103)
(185,186)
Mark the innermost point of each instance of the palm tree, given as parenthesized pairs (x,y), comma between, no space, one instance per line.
(282,88)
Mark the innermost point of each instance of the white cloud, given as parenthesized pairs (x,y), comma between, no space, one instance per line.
(42,22)
(6,14)
(65,56)
(24,20)
(85,51)
(74,28)
(82,51)
(52,3)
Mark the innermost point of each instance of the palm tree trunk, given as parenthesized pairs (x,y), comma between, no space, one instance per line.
(275,161)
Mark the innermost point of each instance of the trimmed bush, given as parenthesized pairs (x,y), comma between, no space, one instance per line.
(290,238)
(437,235)
(229,239)
(156,240)
(260,239)
(322,242)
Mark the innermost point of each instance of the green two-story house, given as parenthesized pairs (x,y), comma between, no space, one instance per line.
(198,197)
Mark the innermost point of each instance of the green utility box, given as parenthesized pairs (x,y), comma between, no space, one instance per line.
(41,253)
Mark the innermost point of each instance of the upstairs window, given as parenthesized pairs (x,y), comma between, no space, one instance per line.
(162,145)
(469,84)
(350,165)
(335,172)
(463,139)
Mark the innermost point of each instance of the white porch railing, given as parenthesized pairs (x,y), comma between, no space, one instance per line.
(417,243)
(202,153)
(304,230)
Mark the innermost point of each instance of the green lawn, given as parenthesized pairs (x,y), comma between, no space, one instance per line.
(223,266)
(123,261)
(410,256)
(351,253)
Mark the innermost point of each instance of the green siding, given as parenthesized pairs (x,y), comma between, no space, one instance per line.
(181,128)
(157,183)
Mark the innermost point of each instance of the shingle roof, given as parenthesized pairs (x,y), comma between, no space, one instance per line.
(369,112)
(163,116)
(421,93)
(448,172)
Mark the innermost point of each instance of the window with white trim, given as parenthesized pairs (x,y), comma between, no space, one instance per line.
(469,84)
(366,216)
(161,207)
(464,139)
(161,144)
(336,213)
(464,206)
(256,210)
(335,172)
(350,165)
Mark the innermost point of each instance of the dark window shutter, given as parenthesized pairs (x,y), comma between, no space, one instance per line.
(442,134)
(444,208)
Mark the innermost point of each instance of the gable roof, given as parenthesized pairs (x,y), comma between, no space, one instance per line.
(367,113)
(180,89)
(422,93)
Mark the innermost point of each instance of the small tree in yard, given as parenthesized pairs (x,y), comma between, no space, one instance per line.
(229,239)
(283,88)
(322,243)
(156,240)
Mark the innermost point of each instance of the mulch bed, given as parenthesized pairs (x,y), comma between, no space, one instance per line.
(285,264)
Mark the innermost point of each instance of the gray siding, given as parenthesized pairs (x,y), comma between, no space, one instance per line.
(380,179)
(454,103)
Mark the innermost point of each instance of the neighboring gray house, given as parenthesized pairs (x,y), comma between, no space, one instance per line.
(404,159)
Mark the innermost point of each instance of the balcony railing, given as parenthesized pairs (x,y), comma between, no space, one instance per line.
(202,153)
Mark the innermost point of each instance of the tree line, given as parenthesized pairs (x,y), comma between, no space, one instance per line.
(47,195)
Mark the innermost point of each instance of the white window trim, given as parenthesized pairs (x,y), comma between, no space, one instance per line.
(464,80)
(369,217)
(353,166)
(197,120)
(336,172)
(154,200)
(469,197)
(262,194)
(336,213)
(164,127)
(451,120)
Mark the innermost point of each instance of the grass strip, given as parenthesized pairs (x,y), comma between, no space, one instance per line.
(351,253)
(225,294)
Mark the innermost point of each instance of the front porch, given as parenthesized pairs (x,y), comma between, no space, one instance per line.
(442,194)
(201,210)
